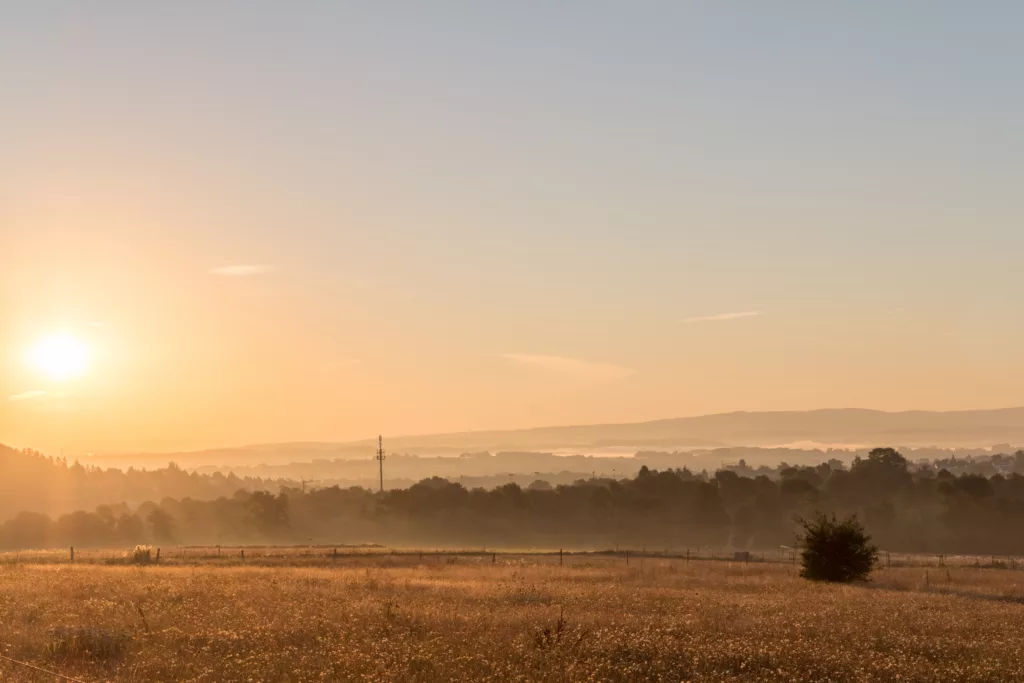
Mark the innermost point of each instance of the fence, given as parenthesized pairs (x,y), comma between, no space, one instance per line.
(328,554)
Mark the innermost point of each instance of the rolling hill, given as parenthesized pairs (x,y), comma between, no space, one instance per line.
(839,427)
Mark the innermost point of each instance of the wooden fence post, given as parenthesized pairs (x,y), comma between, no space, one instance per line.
(627,558)
(494,558)
(559,557)
(72,554)
(243,554)
(158,554)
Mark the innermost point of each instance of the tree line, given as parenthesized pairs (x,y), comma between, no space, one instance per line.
(35,482)
(904,508)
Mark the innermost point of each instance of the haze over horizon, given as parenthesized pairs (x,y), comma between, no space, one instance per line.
(230,224)
(849,429)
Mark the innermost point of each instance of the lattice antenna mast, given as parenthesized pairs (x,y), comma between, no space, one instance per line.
(380,459)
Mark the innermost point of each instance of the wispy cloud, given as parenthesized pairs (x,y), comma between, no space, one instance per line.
(570,367)
(27,396)
(242,270)
(341,364)
(723,316)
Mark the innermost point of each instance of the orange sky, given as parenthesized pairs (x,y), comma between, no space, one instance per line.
(273,226)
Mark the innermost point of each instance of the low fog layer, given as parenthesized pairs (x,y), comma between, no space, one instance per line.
(849,428)
(957,506)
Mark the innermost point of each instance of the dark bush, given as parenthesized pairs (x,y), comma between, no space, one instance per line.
(835,550)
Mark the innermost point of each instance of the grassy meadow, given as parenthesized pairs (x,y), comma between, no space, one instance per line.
(521,618)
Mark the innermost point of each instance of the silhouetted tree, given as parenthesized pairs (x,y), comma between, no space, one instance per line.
(268,513)
(835,550)
(161,525)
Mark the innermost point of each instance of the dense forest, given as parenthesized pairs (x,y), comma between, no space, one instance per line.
(492,468)
(942,507)
(31,481)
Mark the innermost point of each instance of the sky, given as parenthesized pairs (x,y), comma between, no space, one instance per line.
(317,221)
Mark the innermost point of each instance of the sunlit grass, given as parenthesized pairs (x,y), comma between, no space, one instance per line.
(382,618)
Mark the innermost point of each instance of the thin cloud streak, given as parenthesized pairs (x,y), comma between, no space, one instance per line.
(341,364)
(570,367)
(724,316)
(242,270)
(27,396)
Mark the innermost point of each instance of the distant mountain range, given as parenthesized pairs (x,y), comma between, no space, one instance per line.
(833,427)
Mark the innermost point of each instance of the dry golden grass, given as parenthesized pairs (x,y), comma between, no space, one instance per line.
(526,619)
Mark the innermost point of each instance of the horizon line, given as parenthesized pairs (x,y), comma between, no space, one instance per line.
(361,440)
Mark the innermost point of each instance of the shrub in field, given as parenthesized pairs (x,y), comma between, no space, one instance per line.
(142,554)
(836,550)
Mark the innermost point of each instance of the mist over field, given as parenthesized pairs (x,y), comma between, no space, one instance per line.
(930,499)
(710,436)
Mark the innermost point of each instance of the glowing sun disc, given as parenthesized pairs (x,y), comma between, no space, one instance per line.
(60,357)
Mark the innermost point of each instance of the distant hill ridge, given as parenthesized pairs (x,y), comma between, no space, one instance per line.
(839,426)
(833,425)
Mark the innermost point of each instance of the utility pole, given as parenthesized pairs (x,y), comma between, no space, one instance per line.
(380,459)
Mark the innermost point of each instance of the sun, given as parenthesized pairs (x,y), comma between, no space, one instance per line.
(60,357)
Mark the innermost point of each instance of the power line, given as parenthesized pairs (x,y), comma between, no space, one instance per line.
(380,459)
